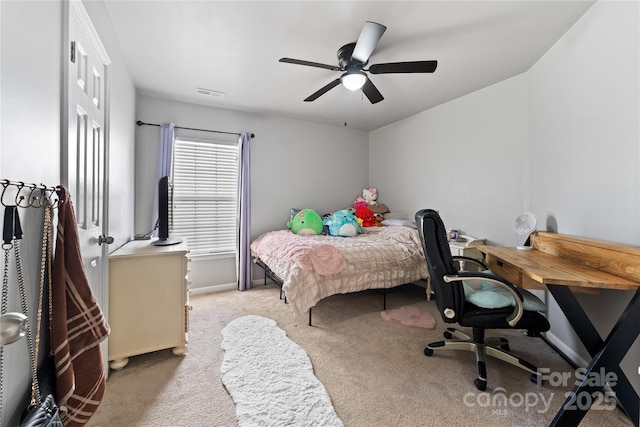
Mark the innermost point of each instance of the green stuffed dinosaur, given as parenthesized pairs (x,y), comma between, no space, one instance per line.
(306,222)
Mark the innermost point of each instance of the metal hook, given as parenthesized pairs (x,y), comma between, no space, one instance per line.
(56,202)
(44,197)
(4,184)
(33,198)
(19,198)
(49,200)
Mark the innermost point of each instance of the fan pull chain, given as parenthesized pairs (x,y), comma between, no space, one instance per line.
(345,108)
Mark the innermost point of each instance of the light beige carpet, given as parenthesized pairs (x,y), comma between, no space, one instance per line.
(409,315)
(374,370)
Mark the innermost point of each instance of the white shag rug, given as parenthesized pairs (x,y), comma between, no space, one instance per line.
(270,378)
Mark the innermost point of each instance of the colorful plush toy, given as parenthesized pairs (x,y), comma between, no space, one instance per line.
(370,195)
(369,199)
(343,223)
(367,216)
(360,202)
(306,222)
(379,218)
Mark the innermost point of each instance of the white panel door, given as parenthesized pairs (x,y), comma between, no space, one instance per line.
(84,147)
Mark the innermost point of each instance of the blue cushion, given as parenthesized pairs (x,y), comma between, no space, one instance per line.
(486,294)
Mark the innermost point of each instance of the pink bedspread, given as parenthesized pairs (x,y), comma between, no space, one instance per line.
(308,253)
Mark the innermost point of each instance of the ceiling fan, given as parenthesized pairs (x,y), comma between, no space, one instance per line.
(353,57)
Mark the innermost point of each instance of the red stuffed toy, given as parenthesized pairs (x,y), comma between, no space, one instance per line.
(367,216)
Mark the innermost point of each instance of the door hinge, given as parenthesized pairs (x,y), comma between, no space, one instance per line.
(73,52)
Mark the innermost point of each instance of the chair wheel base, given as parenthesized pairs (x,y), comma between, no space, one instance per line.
(480,384)
(536,379)
(448,335)
(428,351)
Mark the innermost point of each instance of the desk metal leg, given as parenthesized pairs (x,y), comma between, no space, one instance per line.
(607,355)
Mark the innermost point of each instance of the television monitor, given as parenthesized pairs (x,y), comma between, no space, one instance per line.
(165,208)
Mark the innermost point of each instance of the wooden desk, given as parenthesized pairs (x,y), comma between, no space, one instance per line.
(565,265)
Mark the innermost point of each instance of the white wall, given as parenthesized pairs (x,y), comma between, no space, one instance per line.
(30,114)
(467,159)
(30,117)
(584,105)
(294,164)
(561,140)
(584,124)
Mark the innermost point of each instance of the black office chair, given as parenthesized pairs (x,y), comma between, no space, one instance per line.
(447,283)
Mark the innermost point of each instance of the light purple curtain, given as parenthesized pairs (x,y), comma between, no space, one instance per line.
(244,214)
(165,161)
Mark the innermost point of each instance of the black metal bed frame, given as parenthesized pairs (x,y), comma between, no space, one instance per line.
(278,281)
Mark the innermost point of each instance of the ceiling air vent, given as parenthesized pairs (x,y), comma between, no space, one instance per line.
(209,92)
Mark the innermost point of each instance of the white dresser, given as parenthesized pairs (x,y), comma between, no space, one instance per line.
(148,300)
(466,246)
(460,249)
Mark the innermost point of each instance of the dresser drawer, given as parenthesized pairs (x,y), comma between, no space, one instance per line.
(505,270)
(529,283)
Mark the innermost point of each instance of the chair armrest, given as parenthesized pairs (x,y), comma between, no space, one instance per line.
(518,310)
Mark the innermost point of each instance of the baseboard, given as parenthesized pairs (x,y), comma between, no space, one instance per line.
(224,287)
(213,289)
(564,350)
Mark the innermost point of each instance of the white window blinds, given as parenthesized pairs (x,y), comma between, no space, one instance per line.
(205,189)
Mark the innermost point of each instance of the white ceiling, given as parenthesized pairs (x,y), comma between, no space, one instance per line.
(173,47)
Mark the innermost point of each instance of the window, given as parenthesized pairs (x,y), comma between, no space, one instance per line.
(205,193)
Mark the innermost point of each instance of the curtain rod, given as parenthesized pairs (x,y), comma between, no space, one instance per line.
(140,123)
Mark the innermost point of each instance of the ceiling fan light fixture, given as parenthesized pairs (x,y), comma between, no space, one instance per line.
(354,80)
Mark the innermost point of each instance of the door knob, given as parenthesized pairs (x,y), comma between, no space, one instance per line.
(102,239)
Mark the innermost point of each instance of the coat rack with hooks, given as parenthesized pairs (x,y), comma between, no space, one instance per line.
(29,195)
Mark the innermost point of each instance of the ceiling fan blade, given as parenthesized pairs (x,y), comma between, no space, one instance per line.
(372,92)
(309,64)
(369,38)
(404,67)
(322,91)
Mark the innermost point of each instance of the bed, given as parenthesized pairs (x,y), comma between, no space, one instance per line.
(310,268)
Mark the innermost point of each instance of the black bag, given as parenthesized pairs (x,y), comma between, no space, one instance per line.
(46,414)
